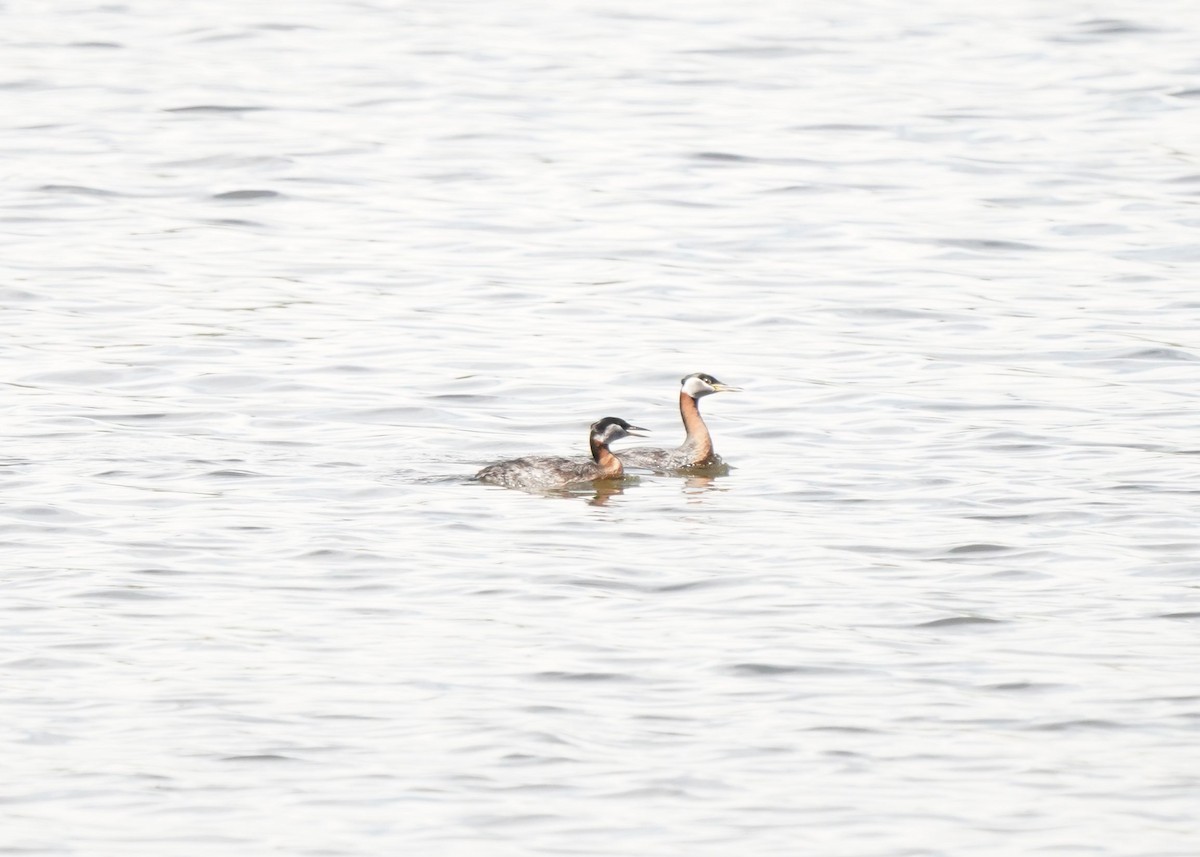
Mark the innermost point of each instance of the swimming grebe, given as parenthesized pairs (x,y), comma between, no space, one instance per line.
(697,448)
(546,472)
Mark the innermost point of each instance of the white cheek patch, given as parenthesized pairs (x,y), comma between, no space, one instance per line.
(695,388)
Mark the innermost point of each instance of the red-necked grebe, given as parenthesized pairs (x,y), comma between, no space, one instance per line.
(697,448)
(547,472)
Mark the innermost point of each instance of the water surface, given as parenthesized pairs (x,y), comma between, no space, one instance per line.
(279,278)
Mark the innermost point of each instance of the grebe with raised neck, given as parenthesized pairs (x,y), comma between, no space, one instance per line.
(697,447)
(547,472)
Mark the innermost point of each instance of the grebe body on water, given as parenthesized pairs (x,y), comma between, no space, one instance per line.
(547,472)
(697,447)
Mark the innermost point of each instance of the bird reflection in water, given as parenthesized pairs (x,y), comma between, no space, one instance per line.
(699,484)
(596,493)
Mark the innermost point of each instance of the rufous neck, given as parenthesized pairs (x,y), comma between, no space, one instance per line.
(609,463)
(698,440)
(693,424)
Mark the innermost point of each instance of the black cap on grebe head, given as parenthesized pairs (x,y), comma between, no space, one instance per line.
(701,384)
(607,430)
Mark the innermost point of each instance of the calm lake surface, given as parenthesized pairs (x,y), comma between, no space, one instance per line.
(279,277)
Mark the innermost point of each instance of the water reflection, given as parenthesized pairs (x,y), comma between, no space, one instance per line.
(697,485)
(596,493)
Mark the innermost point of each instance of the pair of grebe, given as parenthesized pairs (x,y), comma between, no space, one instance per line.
(540,473)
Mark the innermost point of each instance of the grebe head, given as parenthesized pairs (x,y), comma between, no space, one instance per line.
(607,430)
(701,384)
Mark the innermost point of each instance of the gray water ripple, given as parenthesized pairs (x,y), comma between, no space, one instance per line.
(960,622)
(247,195)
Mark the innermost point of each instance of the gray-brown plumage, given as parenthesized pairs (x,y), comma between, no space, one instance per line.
(548,472)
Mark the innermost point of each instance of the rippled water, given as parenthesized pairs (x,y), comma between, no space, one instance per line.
(279,277)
